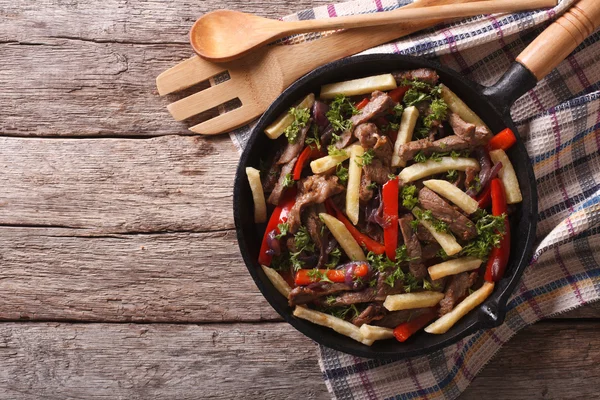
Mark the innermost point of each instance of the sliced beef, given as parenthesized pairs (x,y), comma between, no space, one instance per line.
(460,180)
(378,104)
(384,150)
(413,247)
(476,136)
(348,298)
(377,171)
(424,235)
(430,251)
(456,289)
(365,193)
(367,134)
(440,209)
(374,231)
(394,318)
(313,224)
(314,189)
(271,177)
(422,74)
(293,149)
(470,174)
(279,187)
(409,150)
(383,289)
(373,312)
(305,294)
(345,139)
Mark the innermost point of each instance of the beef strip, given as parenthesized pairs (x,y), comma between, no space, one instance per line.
(271,177)
(430,251)
(279,187)
(477,136)
(313,224)
(294,149)
(367,134)
(441,210)
(424,235)
(456,289)
(470,174)
(394,318)
(378,104)
(373,312)
(345,139)
(304,294)
(422,74)
(369,294)
(413,247)
(384,150)
(460,180)
(377,171)
(383,289)
(314,189)
(365,192)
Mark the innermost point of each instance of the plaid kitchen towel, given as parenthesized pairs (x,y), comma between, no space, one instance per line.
(559,121)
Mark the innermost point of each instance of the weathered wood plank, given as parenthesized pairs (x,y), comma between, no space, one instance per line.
(171,183)
(266,361)
(48,274)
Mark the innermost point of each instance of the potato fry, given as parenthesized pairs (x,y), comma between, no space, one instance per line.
(324,164)
(339,325)
(446,240)
(405,133)
(343,237)
(353,187)
(260,205)
(275,130)
(371,332)
(454,194)
(453,267)
(277,280)
(443,324)
(508,177)
(456,105)
(431,167)
(407,301)
(359,86)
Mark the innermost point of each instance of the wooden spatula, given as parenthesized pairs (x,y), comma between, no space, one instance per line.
(258,78)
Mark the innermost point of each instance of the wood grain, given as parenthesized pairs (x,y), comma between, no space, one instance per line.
(250,361)
(173,183)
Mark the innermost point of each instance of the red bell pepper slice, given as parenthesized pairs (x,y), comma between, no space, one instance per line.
(485,197)
(504,140)
(403,331)
(309,153)
(307,276)
(279,216)
(398,93)
(498,259)
(362,239)
(362,104)
(390,213)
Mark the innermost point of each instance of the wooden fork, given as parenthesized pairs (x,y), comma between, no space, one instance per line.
(258,78)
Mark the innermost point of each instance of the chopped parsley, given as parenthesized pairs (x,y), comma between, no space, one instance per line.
(372,186)
(490,231)
(366,158)
(288,181)
(427,285)
(452,175)
(438,225)
(340,109)
(303,242)
(379,261)
(334,258)
(402,255)
(330,300)
(283,230)
(317,276)
(420,157)
(409,200)
(334,151)
(342,173)
(414,96)
(438,111)
(414,224)
(398,110)
(315,139)
(301,117)
(442,254)
(350,312)
(475,184)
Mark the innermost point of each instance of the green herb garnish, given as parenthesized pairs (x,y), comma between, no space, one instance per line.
(288,181)
(409,200)
(283,230)
(340,109)
(366,158)
(301,117)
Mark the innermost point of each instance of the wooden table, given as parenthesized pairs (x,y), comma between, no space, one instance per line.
(120,273)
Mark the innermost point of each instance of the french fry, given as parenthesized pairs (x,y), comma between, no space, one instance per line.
(457,106)
(359,86)
(446,240)
(507,176)
(343,237)
(405,133)
(371,332)
(447,321)
(453,267)
(407,301)
(432,167)
(277,280)
(324,164)
(454,194)
(339,325)
(353,187)
(275,130)
(260,205)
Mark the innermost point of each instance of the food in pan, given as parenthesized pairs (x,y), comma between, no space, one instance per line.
(389,203)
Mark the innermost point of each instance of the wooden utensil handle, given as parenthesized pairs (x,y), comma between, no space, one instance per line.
(561,38)
(343,44)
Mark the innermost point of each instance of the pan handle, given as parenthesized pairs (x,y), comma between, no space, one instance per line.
(545,53)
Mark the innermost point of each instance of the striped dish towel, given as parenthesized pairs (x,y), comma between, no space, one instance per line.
(559,121)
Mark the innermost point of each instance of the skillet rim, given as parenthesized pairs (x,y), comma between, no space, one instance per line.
(489,314)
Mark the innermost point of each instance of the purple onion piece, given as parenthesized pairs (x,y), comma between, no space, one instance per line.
(374,211)
(326,136)
(319,111)
(273,243)
(484,173)
(350,278)
(494,172)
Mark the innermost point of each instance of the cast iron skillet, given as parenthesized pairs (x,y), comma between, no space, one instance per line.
(492,104)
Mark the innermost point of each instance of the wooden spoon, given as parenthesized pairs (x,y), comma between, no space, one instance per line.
(225,35)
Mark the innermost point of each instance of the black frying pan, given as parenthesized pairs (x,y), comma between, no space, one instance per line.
(492,104)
